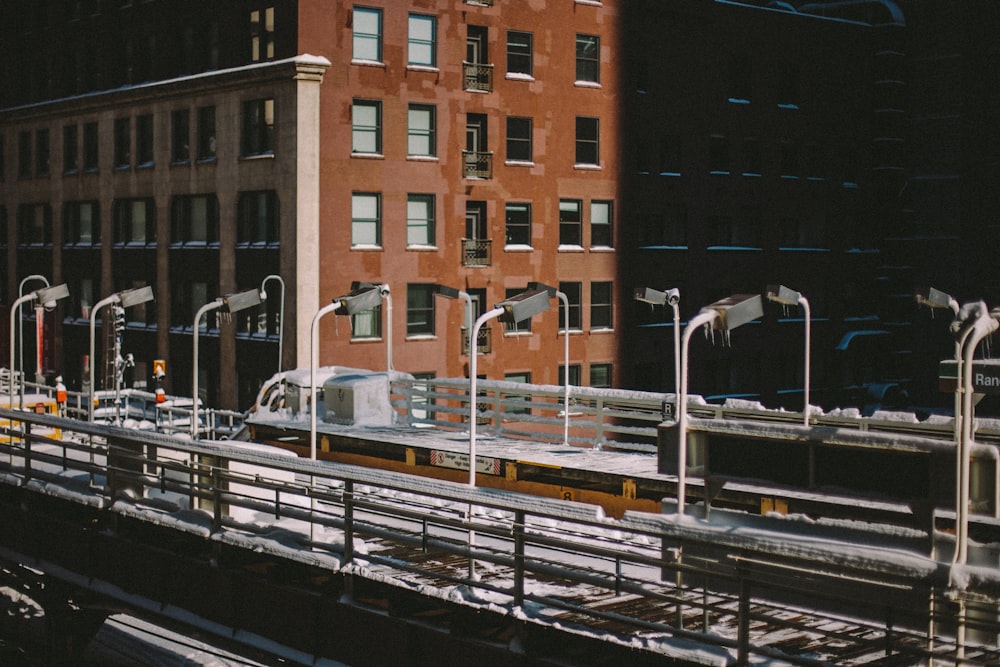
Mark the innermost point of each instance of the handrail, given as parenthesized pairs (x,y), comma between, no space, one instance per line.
(732,570)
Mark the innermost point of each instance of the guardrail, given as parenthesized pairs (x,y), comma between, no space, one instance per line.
(140,408)
(625,419)
(734,587)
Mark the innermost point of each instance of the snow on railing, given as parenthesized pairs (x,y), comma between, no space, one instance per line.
(534,559)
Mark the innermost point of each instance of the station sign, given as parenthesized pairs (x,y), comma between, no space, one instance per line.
(985,376)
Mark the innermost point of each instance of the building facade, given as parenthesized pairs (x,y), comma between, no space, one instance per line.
(594,146)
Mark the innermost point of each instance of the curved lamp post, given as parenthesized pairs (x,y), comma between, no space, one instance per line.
(789,297)
(367,297)
(515,309)
(20,332)
(452,293)
(281,311)
(671,297)
(726,314)
(44,295)
(232,303)
(555,293)
(124,299)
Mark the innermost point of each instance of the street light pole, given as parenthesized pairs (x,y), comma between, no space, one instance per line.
(313,345)
(44,295)
(473,389)
(671,297)
(553,292)
(789,297)
(126,298)
(726,314)
(233,303)
(281,313)
(20,332)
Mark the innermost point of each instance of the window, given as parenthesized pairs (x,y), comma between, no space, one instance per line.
(24,155)
(574,375)
(718,155)
(366,219)
(42,151)
(194,220)
(367,324)
(519,132)
(788,86)
(420,310)
(123,143)
(570,222)
(206,133)
(144,140)
(574,295)
(367,34)
(740,78)
(420,220)
(90,147)
(421,40)
(751,157)
(601,225)
(519,52)
(258,127)
(366,126)
(600,375)
(421,129)
(81,224)
(81,297)
(71,149)
(587,140)
(518,216)
(517,401)
(34,225)
(670,155)
(262,34)
(600,305)
(588,58)
(257,218)
(180,136)
(789,160)
(134,222)
(187,298)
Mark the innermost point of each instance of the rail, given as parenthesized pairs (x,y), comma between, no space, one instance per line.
(626,419)
(140,409)
(746,589)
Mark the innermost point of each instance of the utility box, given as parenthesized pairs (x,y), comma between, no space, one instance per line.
(667,443)
(358,400)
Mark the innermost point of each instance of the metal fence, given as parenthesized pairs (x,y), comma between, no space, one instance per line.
(748,588)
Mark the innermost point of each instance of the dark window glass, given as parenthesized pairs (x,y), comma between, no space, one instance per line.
(180,136)
(257,218)
(519,131)
(71,149)
(419,310)
(519,52)
(258,127)
(587,140)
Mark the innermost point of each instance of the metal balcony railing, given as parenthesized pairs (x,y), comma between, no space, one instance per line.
(478,76)
(481,3)
(477,252)
(478,164)
(484,341)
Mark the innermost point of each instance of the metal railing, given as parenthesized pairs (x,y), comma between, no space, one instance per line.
(748,588)
(141,409)
(478,76)
(478,164)
(477,252)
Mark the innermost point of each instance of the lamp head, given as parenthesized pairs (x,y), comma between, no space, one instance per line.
(524,305)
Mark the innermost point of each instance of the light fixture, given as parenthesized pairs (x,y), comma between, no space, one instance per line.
(725,314)
(44,295)
(672,298)
(124,299)
(515,309)
(789,297)
(232,303)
